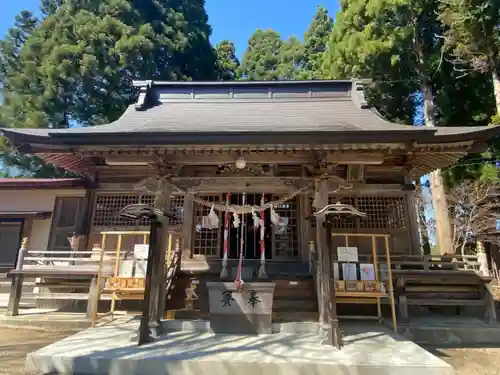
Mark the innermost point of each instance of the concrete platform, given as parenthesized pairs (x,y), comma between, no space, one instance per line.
(451,331)
(107,350)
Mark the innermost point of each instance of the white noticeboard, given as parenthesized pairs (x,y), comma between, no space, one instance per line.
(141,251)
(347,254)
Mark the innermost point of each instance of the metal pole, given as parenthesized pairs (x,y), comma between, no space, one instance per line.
(144,331)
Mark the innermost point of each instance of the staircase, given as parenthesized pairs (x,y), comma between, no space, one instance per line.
(295,301)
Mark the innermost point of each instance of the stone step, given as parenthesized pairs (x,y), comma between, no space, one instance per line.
(297,293)
(295,316)
(299,306)
(294,284)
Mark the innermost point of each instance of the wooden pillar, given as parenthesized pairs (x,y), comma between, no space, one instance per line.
(324,266)
(80,239)
(187,227)
(16,285)
(412,217)
(304,232)
(158,282)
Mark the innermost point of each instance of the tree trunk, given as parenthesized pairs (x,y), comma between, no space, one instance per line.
(443,227)
(496,88)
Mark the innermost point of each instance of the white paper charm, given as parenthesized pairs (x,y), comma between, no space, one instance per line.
(275,218)
(255,218)
(236,220)
(211,221)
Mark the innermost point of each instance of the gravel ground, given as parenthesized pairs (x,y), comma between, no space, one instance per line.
(15,344)
(471,361)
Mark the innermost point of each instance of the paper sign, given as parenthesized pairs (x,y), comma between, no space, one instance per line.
(140,268)
(347,254)
(349,271)
(141,251)
(126,268)
(367,272)
(336,275)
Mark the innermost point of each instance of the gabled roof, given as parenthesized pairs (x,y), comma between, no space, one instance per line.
(244,112)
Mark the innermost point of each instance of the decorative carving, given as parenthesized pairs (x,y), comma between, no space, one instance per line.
(163,168)
(250,170)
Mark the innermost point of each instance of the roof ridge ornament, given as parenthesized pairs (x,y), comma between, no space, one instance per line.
(144,87)
(358,92)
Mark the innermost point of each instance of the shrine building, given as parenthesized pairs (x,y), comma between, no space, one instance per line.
(224,157)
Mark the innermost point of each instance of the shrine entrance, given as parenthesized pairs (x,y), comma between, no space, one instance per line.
(251,234)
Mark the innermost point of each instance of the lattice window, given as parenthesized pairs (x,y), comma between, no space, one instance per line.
(338,222)
(285,241)
(342,222)
(107,207)
(206,241)
(383,212)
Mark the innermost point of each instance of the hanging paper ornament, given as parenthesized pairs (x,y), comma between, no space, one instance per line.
(256,219)
(280,228)
(236,220)
(211,221)
(275,218)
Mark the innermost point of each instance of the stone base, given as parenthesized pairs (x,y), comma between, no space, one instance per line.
(241,324)
(247,311)
(107,350)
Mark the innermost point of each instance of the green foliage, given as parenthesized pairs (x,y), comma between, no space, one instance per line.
(495,120)
(375,39)
(473,33)
(268,57)
(78,63)
(315,42)
(291,56)
(227,61)
(262,57)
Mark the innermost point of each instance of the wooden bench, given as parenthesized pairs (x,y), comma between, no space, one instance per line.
(438,288)
(54,270)
(78,278)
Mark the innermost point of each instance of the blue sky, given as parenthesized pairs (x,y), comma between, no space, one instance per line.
(235,20)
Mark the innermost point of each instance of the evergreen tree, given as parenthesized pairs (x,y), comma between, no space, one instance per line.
(262,57)
(77,65)
(291,58)
(227,62)
(394,42)
(315,43)
(473,37)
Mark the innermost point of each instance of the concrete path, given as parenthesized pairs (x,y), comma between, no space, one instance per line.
(107,350)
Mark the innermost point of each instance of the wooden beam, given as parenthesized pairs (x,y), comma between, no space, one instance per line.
(340,157)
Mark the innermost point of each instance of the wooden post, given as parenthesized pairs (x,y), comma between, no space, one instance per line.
(335,335)
(158,282)
(93,299)
(490,312)
(187,226)
(80,240)
(16,285)
(412,221)
(324,267)
(389,283)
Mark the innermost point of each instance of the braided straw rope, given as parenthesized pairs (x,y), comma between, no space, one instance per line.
(160,183)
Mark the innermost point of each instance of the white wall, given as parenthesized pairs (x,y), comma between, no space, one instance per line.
(33,200)
(41,200)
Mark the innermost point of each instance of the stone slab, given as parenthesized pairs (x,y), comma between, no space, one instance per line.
(108,350)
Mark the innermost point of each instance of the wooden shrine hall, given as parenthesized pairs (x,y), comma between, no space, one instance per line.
(243,167)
